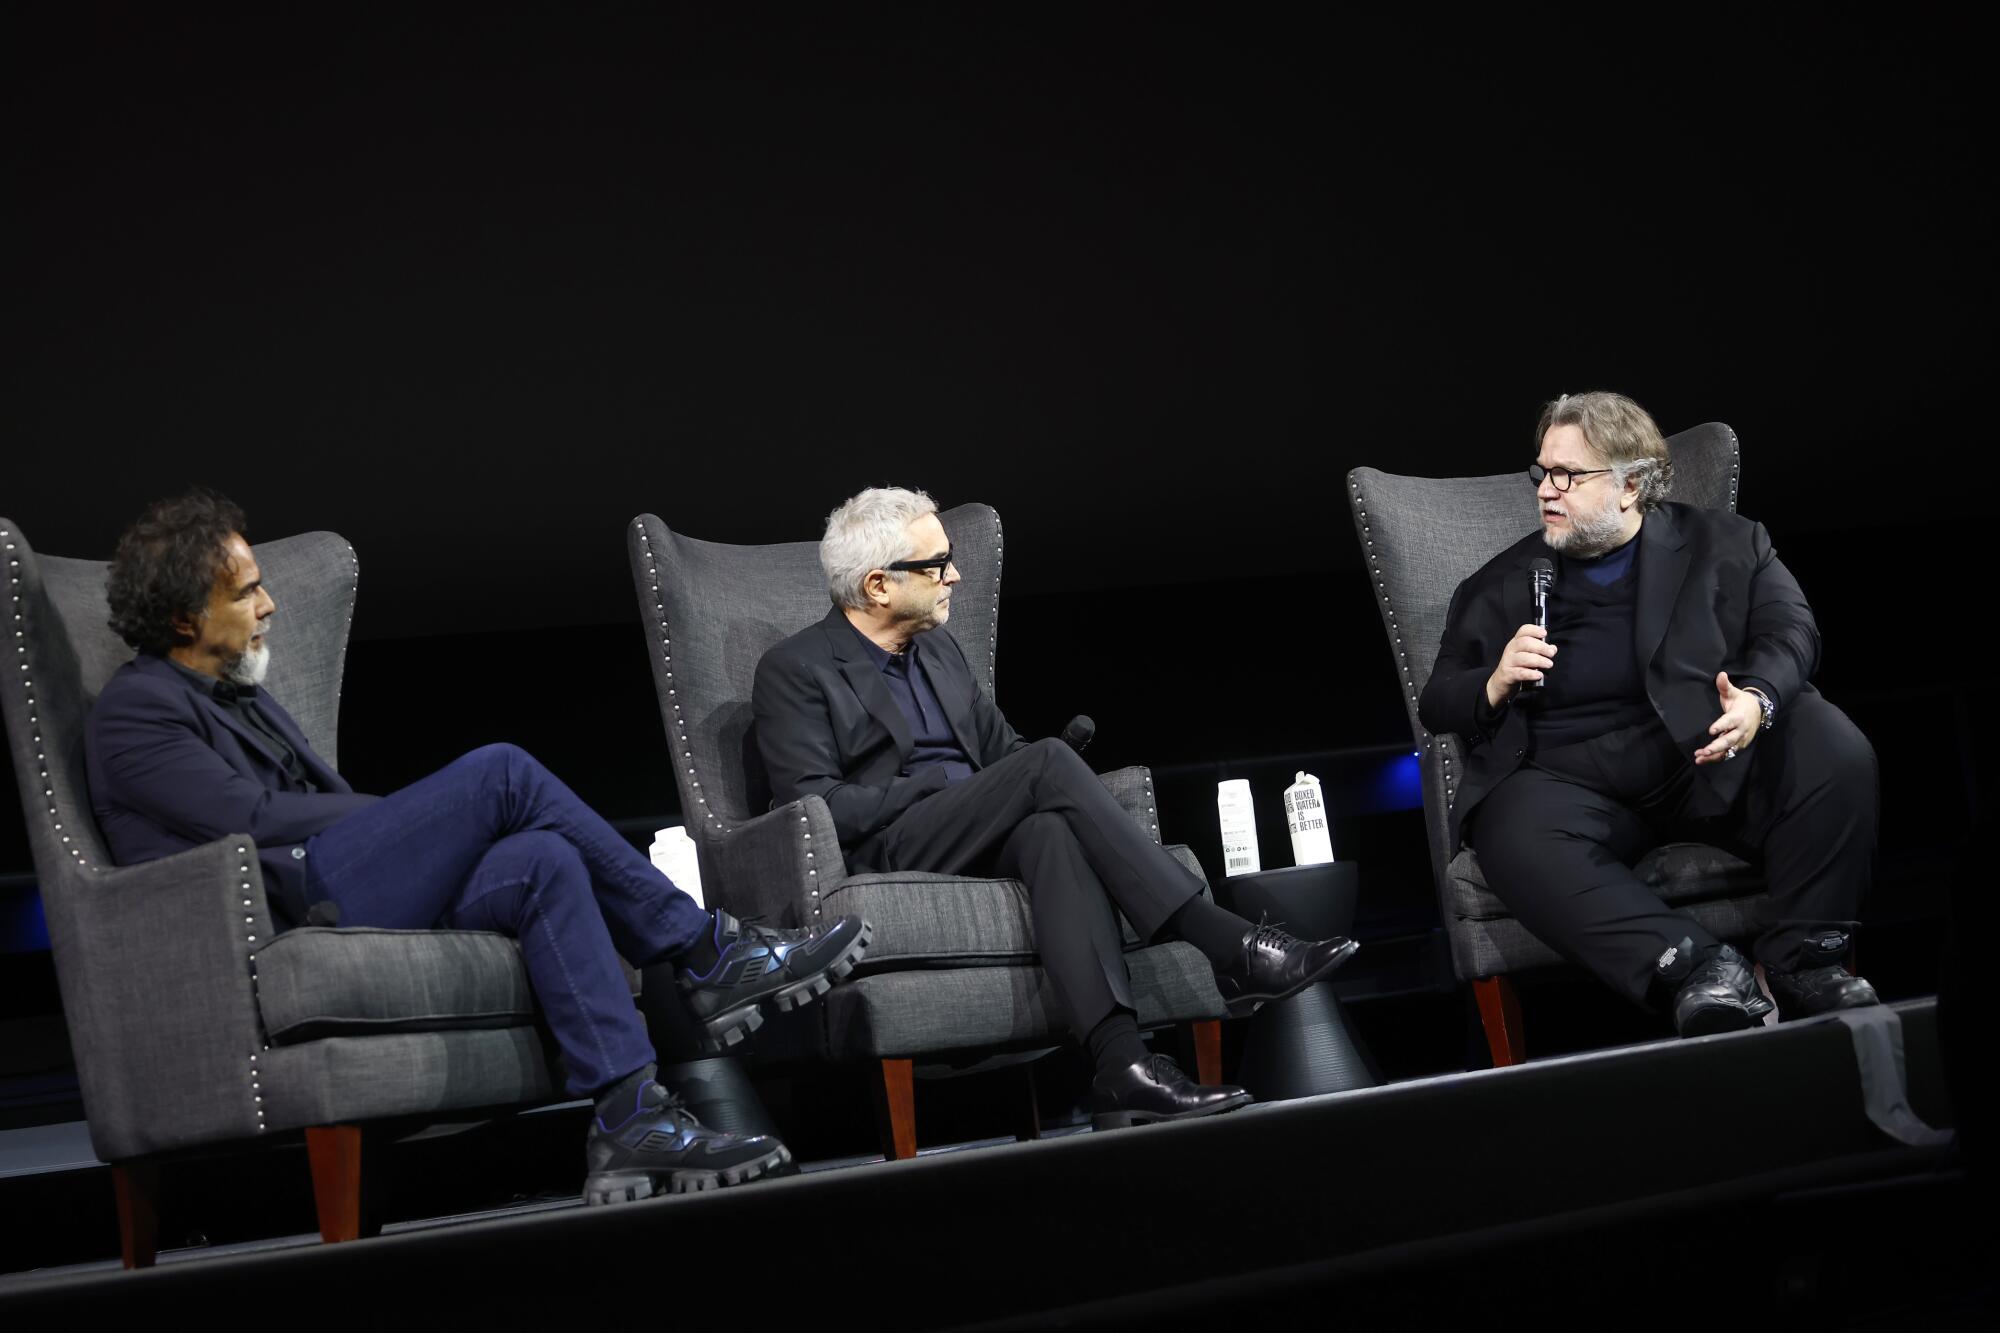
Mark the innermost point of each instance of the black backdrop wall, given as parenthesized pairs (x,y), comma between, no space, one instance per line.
(474,287)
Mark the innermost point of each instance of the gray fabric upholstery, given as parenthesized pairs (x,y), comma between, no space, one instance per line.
(405,1074)
(316,982)
(914,1013)
(711,611)
(158,963)
(1422,537)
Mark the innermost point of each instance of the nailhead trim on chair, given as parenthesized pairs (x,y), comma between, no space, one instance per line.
(353,594)
(27,679)
(993,634)
(1396,633)
(667,670)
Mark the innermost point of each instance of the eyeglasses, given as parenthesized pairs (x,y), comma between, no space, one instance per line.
(936,565)
(1563,477)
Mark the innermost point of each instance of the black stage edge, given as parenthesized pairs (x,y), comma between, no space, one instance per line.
(1644,1185)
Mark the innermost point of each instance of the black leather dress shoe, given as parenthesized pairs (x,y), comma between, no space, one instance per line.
(1719,995)
(1819,990)
(1154,1089)
(1276,965)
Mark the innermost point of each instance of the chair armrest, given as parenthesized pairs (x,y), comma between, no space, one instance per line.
(1133,789)
(159,990)
(773,866)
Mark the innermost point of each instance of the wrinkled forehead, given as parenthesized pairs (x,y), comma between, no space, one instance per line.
(1568,447)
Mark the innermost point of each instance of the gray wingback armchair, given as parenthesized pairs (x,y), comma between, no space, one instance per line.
(192,1022)
(1421,537)
(952,967)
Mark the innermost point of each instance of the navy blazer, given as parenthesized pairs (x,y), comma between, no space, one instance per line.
(170,769)
(827,725)
(1713,596)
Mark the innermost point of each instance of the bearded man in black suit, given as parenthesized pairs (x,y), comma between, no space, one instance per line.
(1669,699)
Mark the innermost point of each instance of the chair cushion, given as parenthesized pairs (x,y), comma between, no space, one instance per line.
(1681,873)
(916,1012)
(927,920)
(319,982)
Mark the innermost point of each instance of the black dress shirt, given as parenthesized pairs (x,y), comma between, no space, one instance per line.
(930,730)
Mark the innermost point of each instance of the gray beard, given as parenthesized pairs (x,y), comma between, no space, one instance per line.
(1587,538)
(250,668)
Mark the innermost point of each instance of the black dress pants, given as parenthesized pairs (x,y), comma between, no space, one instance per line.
(1041,816)
(1557,838)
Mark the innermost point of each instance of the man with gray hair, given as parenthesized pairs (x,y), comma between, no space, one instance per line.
(875,711)
(1669,699)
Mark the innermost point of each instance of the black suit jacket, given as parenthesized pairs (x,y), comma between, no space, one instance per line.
(827,725)
(170,768)
(1713,596)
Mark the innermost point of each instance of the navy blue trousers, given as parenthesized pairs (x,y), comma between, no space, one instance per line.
(494,841)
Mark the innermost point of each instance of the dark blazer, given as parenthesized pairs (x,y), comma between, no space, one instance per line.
(827,725)
(1713,596)
(170,768)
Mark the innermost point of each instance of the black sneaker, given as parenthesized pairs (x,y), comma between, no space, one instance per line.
(789,968)
(1819,990)
(660,1148)
(1719,995)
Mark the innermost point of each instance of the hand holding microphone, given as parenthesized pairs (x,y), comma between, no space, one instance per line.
(1529,653)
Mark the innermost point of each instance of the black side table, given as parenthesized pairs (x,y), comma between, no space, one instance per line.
(1303,1046)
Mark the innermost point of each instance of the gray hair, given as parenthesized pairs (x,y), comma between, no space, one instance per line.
(1621,431)
(868,532)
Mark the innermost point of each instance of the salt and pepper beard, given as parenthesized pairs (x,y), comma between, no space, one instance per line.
(1587,538)
(250,667)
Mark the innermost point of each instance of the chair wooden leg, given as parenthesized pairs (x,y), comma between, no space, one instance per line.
(138,1187)
(342,1182)
(1206,1035)
(1500,1014)
(896,1109)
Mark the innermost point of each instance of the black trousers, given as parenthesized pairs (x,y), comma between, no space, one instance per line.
(1041,816)
(1557,839)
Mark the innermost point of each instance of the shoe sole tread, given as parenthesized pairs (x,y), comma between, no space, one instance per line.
(731,1026)
(629,1186)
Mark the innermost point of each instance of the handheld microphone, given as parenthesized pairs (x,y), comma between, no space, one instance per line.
(1541,574)
(1078,733)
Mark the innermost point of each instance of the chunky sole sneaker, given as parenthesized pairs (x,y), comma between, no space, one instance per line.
(758,965)
(630,1186)
(659,1147)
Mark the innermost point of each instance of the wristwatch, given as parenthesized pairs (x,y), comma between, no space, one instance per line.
(1764,702)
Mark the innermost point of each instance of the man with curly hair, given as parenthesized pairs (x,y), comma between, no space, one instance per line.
(183,747)
(1669,699)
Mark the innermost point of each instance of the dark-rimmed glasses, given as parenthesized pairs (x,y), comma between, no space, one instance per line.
(1563,477)
(936,565)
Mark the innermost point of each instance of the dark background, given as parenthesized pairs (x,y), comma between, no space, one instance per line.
(474,287)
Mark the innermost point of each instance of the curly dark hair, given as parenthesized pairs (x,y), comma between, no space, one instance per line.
(166,565)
